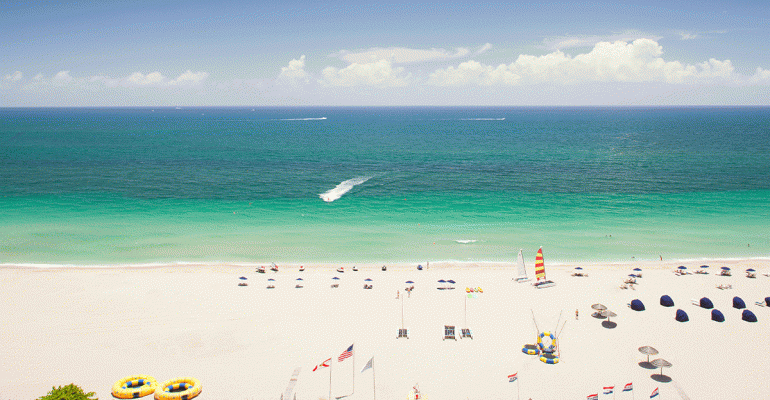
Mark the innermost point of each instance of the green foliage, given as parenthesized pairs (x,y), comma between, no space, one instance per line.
(69,392)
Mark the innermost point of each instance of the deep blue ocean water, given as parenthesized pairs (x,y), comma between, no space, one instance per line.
(139,185)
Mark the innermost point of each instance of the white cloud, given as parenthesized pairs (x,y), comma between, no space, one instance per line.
(38,77)
(14,77)
(400,55)
(377,74)
(484,48)
(294,72)
(153,79)
(62,77)
(687,35)
(639,61)
(566,42)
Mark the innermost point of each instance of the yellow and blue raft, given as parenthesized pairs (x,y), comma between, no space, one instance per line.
(134,387)
(184,388)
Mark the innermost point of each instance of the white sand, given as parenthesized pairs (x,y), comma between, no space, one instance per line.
(94,326)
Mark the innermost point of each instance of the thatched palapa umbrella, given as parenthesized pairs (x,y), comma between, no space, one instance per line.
(599,307)
(659,362)
(608,314)
(650,351)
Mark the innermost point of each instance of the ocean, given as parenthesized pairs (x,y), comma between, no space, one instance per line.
(114,186)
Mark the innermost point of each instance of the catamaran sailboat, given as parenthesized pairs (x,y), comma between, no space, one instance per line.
(522,270)
(540,272)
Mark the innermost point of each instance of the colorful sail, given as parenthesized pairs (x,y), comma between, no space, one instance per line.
(539,265)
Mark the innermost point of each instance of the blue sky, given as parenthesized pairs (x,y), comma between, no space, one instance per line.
(154,53)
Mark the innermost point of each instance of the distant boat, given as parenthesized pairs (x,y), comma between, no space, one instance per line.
(522,270)
(540,272)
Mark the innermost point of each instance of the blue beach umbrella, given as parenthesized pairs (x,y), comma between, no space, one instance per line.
(299,279)
(750,270)
(441,281)
(451,281)
(632,275)
(637,269)
(748,316)
(408,282)
(717,316)
(367,280)
(682,267)
(579,268)
(726,268)
(243,278)
(705,302)
(704,266)
(336,278)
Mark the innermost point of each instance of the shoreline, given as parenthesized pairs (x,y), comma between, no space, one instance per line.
(754,262)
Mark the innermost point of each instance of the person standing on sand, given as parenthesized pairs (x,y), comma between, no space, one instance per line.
(576,313)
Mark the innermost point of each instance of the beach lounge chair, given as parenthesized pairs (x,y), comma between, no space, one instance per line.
(751,274)
(623,286)
(465,332)
(402,333)
(449,332)
(335,285)
(725,273)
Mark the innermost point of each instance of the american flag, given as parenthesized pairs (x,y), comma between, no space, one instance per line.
(609,389)
(654,393)
(593,396)
(345,354)
(629,387)
(512,378)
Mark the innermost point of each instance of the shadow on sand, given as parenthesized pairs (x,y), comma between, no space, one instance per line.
(661,378)
(647,364)
(598,315)
(609,324)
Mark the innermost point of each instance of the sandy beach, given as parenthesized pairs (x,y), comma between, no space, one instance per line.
(93,326)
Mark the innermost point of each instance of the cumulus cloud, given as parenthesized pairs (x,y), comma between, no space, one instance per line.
(638,61)
(152,79)
(62,77)
(400,55)
(567,42)
(484,48)
(14,77)
(378,74)
(294,72)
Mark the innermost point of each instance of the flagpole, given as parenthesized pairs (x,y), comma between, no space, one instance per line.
(354,367)
(518,390)
(374,388)
(330,378)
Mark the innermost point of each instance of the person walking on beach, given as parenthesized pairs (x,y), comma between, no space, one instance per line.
(576,313)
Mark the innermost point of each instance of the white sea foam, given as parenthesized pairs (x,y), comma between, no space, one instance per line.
(342,188)
(303,119)
(466,241)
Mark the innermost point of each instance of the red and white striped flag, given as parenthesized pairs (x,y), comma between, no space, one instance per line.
(654,393)
(512,378)
(629,387)
(593,396)
(345,354)
(323,364)
(609,389)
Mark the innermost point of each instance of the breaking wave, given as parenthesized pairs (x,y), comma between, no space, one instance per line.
(482,119)
(466,241)
(342,188)
(303,119)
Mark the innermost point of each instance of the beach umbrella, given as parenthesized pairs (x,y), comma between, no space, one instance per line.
(637,305)
(579,268)
(608,314)
(767,301)
(705,302)
(367,280)
(632,275)
(599,307)
(637,269)
(738,303)
(270,279)
(659,362)
(650,351)
(336,278)
(441,281)
(681,316)
(299,279)
(750,270)
(682,267)
(717,316)
(451,281)
(243,278)
(748,316)
(726,268)
(408,282)
(666,301)
(704,266)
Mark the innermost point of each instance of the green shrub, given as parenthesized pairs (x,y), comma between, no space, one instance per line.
(69,392)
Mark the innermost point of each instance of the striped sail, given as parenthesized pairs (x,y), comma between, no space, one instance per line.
(539,265)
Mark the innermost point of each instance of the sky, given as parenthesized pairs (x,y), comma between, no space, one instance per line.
(351,53)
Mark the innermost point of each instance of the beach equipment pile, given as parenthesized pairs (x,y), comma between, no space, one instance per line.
(136,386)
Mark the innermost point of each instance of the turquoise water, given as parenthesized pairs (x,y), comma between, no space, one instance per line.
(140,185)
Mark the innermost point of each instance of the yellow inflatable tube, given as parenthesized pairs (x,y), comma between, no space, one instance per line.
(190,387)
(135,386)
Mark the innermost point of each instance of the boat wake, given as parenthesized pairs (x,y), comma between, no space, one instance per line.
(342,188)
(482,119)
